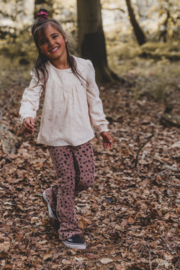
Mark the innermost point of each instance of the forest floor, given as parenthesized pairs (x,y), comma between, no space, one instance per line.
(131,216)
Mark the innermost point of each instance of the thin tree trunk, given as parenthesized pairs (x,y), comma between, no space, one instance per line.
(91,38)
(141,38)
(164,33)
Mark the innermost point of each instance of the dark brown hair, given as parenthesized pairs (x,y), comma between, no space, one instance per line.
(40,24)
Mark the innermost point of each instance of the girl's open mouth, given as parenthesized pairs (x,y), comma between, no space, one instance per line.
(54,50)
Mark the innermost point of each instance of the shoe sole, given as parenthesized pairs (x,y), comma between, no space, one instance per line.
(83,246)
(49,207)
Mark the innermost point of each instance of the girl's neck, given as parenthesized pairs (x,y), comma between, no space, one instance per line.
(60,63)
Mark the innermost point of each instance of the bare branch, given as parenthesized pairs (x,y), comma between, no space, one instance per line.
(114,9)
(141,147)
(174,252)
(172,168)
(159,173)
(150,264)
(176,264)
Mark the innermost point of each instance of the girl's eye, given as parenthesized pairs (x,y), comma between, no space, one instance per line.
(42,42)
(55,36)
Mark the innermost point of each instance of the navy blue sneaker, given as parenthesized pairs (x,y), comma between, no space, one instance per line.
(51,212)
(75,242)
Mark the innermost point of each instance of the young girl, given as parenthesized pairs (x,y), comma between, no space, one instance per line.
(72,109)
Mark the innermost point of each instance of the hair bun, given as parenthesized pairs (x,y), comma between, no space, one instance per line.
(42,15)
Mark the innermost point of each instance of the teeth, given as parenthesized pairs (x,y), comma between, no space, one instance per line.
(54,49)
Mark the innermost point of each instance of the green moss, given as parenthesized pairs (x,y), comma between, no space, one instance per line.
(156,76)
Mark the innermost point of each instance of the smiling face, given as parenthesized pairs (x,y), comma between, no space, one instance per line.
(52,44)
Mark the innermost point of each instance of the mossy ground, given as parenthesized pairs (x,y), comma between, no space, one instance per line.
(153,69)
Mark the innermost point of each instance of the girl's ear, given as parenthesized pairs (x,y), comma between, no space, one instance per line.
(65,39)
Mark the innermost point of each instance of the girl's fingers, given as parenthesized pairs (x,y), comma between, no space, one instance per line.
(29,122)
(29,127)
(107,141)
(32,122)
(109,145)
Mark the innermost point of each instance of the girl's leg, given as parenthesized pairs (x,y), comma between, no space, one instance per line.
(63,194)
(75,169)
(84,166)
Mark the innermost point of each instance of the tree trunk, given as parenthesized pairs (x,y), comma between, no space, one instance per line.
(91,38)
(141,38)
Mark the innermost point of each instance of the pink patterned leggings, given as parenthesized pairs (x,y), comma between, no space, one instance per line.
(75,169)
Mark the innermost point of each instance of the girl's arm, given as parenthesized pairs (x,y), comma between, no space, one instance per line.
(97,116)
(30,99)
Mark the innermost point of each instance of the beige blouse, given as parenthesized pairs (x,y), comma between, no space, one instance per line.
(72,109)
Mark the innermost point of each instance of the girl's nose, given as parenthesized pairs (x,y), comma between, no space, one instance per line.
(51,42)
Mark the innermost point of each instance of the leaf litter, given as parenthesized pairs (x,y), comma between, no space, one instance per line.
(130,218)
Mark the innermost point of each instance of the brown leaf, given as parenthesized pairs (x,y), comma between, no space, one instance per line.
(8,266)
(21,173)
(64,261)
(38,245)
(10,169)
(23,258)
(158,177)
(106,260)
(87,221)
(82,223)
(20,207)
(130,220)
(117,227)
(22,150)
(91,255)
(167,216)
(42,242)
(119,267)
(34,219)
(13,180)
(125,254)
(124,223)
(56,266)
(12,156)
(47,256)
(4,255)
(4,246)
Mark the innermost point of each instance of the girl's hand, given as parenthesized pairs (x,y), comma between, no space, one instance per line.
(107,140)
(28,125)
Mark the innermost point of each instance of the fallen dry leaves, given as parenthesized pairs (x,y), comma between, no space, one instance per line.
(130,219)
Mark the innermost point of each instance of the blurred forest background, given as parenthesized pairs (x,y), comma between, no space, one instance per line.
(130,219)
(141,39)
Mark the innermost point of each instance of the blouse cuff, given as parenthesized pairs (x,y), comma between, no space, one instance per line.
(25,116)
(102,128)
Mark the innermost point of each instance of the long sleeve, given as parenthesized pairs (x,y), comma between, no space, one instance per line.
(97,116)
(30,98)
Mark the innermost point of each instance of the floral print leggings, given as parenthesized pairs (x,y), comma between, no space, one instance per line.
(75,169)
